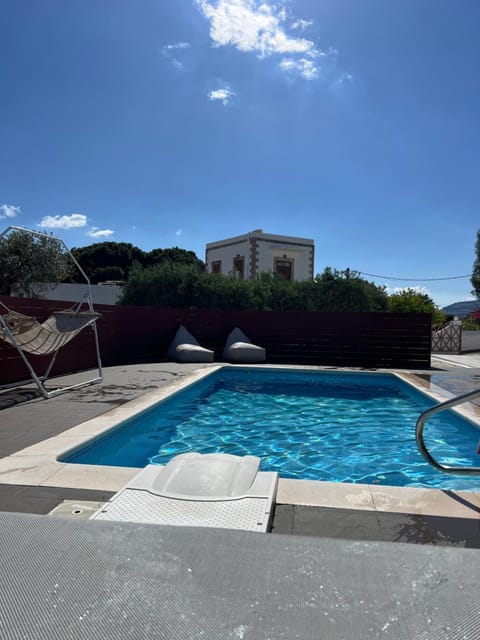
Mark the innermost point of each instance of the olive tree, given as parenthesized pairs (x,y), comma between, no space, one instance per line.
(31,262)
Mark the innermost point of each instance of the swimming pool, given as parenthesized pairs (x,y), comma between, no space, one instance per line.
(321,425)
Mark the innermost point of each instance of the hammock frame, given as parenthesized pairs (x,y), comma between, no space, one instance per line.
(40,380)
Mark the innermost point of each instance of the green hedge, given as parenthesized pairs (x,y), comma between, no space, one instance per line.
(184,286)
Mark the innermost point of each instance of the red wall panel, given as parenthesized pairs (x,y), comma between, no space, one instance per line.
(143,334)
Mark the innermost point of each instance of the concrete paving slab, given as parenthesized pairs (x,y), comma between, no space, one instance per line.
(423,529)
(464,360)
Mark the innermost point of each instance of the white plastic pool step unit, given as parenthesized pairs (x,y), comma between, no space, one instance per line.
(210,490)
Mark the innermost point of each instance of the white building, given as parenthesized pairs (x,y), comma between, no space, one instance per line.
(256,252)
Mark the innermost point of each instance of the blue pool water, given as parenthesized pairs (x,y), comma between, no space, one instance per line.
(343,427)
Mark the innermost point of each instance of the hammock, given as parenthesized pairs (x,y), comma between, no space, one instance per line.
(40,339)
(28,335)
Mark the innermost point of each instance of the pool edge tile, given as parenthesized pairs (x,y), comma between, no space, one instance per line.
(434,502)
(316,493)
(28,470)
(85,477)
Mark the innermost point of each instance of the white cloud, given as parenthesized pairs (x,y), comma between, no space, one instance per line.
(8,211)
(177,45)
(95,232)
(260,26)
(320,64)
(169,50)
(178,233)
(250,25)
(301,24)
(177,64)
(416,288)
(72,221)
(306,68)
(223,95)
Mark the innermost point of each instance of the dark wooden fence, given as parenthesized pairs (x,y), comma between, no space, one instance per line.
(142,334)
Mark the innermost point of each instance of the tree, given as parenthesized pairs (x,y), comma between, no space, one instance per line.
(347,291)
(174,255)
(475,280)
(165,285)
(114,260)
(102,259)
(31,262)
(411,301)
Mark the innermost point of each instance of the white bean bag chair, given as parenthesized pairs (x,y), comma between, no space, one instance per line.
(239,348)
(185,348)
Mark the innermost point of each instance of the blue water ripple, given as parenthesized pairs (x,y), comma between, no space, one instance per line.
(324,425)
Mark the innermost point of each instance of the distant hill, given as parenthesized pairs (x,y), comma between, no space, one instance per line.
(461,309)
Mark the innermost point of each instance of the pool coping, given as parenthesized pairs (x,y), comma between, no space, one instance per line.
(37,465)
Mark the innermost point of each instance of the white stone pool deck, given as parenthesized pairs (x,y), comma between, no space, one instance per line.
(36,465)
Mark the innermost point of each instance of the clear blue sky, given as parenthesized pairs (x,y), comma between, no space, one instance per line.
(178,122)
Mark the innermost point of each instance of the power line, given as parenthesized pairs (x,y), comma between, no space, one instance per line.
(374,275)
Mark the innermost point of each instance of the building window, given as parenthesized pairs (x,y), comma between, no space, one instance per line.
(217,266)
(283,267)
(239,267)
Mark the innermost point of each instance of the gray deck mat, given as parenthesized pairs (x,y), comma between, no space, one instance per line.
(87,579)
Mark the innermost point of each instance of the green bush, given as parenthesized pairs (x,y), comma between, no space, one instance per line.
(472,321)
(184,286)
(411,301)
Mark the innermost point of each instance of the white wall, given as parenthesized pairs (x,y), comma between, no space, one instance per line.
(226,254)
(267,252)
(101,294)
(470,341)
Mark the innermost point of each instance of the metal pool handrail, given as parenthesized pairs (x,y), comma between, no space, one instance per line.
(465,397)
